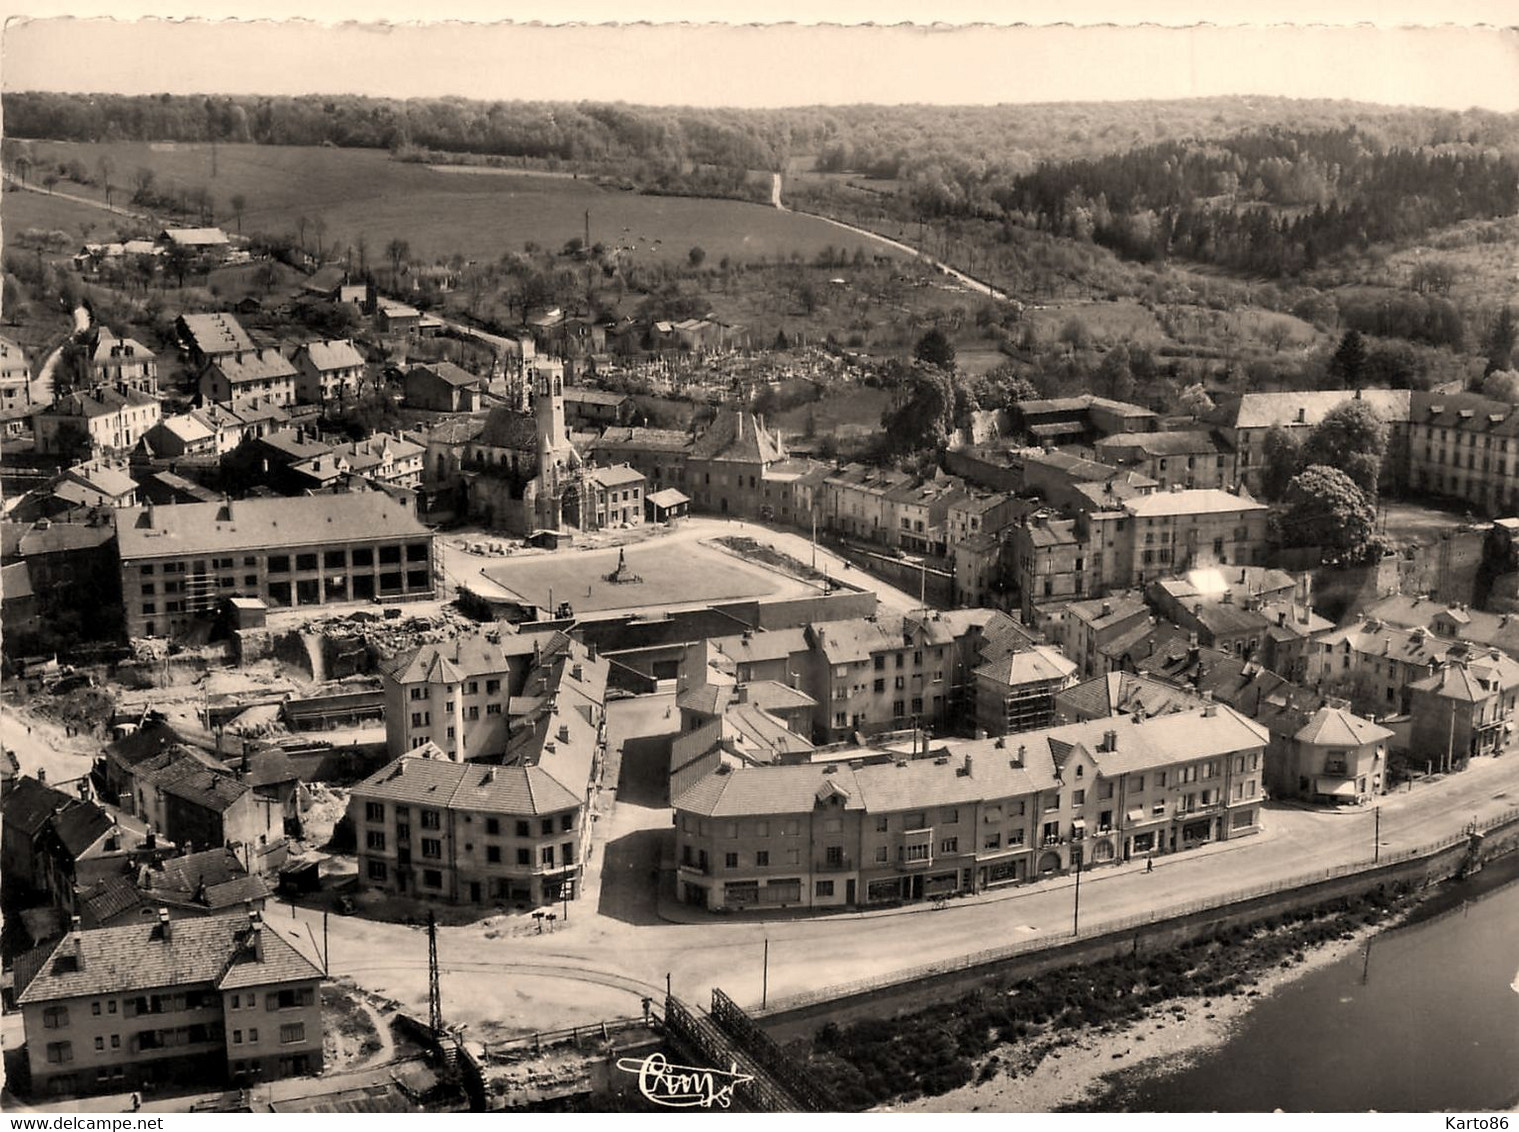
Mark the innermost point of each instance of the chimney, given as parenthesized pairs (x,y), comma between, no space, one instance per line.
(1302,415)
(256,933)
(1022,751)
(577,672)
(1281,617)
(165,925)
(969,766)
(1110,740)
(741,693)
(564,732)
(42,775)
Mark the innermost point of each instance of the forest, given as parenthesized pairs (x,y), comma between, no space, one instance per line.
(1271,203)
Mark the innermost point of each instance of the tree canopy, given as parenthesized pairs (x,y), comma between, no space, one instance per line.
(1324,508)
(1353,438)
(922,412)
(935,349)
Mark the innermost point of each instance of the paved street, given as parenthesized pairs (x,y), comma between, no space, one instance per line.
(618,946)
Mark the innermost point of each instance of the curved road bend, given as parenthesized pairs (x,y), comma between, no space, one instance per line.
(955,273)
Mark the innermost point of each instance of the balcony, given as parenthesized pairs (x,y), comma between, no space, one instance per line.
(834,865)
(699,870)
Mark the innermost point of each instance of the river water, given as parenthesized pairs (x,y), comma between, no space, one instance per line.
(1425,1019)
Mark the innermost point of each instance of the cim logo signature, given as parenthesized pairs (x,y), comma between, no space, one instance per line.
(683,1086)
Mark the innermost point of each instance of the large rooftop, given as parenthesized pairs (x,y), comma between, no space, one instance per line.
(253,524)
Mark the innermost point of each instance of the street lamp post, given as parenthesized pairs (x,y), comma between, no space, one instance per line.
(1376,842)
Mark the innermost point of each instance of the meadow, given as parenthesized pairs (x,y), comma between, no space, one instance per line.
(363,193)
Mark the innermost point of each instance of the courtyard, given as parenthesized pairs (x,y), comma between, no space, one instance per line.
(668,573)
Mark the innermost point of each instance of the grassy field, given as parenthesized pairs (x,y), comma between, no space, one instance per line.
(858,404)
(20,210)
(362,192)
(685,573)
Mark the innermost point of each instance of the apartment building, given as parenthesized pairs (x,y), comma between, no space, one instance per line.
(178,562)
(120,363)
(1334,758)
(212,335)
(869,675)
(1244,424)
(1372,664)
(220,999)
(972,815)
(616,497)
(328,370)
(1465,709)
(456,694)
(106,419)
(15,383)
(263,373)
(1016,686)
(1188,459)
(513,830)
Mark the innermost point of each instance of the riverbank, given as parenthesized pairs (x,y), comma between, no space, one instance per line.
(1040,1042)
(1053,1077)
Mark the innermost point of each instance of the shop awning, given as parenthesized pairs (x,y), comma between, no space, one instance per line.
(1136,814)
(1337,787)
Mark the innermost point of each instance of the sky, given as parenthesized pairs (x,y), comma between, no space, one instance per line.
(1451,66)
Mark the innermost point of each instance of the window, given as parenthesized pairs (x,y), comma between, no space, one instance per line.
(493,827)
(375,839)
(730,860)
(493,854)
(95,1008)
(524,857)
(492,709)
(55,1017)
(374,811)
(237,1037)
(952,816)
(432,819)
(950,845)
(761,858)
(1051,802)
(881,854)
(880,685)
(432,847)
(918,852)
(915,821)
(883,824)
(546,855)
(899,683)
(100,1043)
(522,829)
(566,822)
(824,888)
(1078,797)
(432,878)
(377,872)
(59,1053)
(992,841)
(292,1032)
(419,693)
(547,826)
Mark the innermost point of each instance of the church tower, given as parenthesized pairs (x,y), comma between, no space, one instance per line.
(559,464)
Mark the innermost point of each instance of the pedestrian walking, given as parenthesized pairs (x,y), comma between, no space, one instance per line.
(1150,865)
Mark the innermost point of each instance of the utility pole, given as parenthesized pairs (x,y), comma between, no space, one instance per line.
(765,977)
(434,1000)
(325,966)
(1376,843)
(1076,909)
